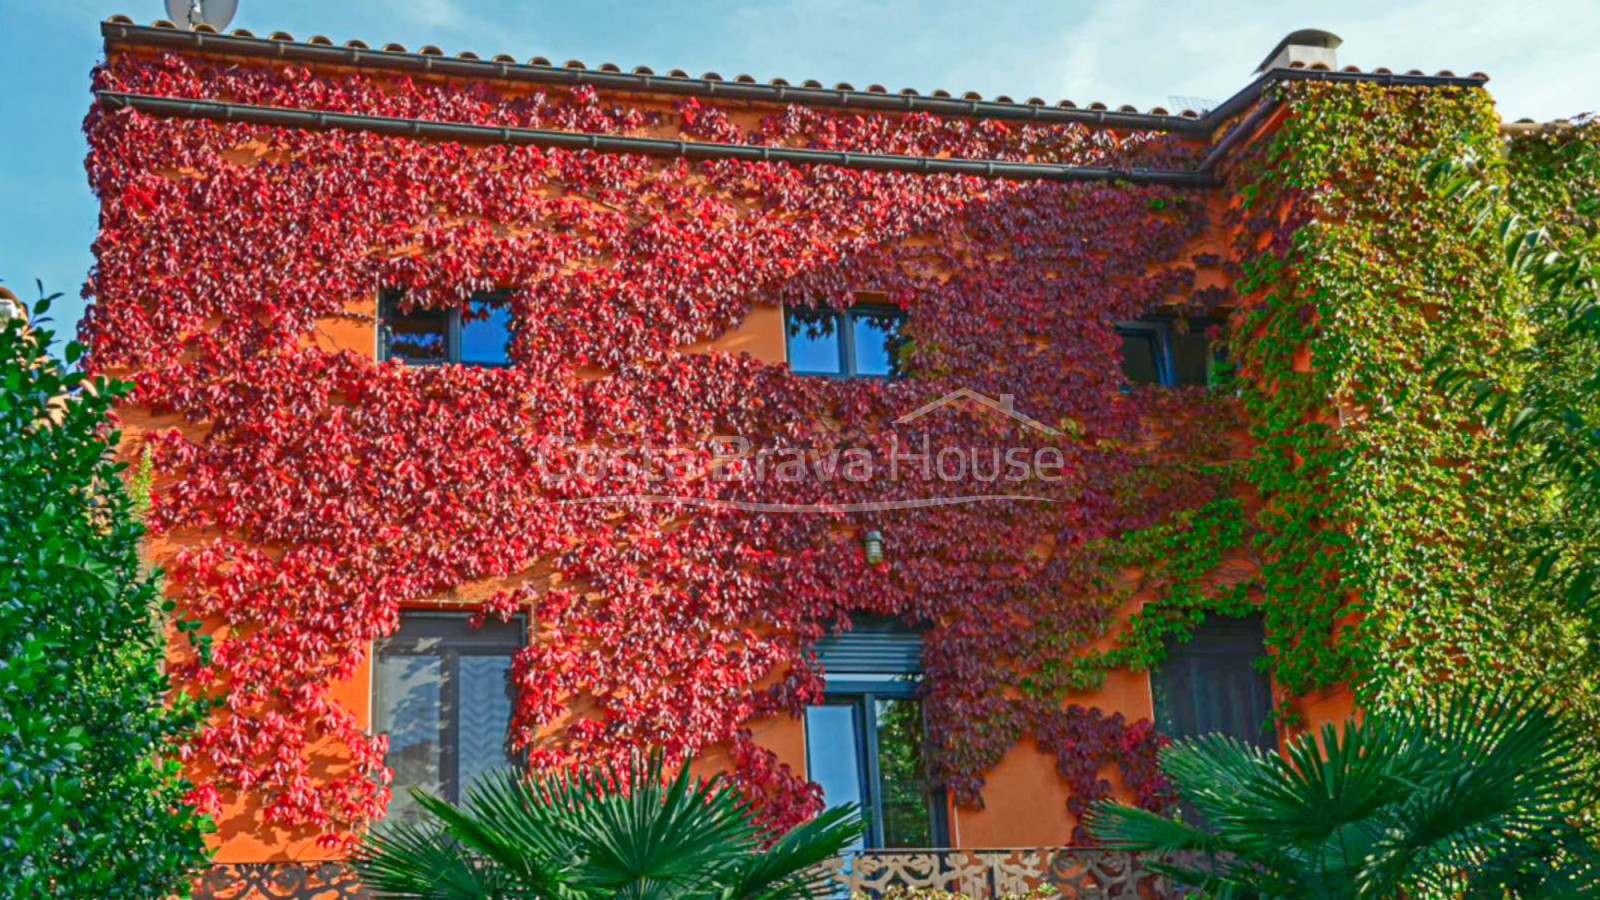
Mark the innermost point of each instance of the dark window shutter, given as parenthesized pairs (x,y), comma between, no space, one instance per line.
(871,651)
(1210,684)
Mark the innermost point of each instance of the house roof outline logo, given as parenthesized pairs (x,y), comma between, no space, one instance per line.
(1004,404)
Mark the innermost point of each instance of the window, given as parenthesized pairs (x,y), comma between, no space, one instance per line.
(1169,352)
(1211,684)
(442,692)
(478,336)
(860,342)
(867,742)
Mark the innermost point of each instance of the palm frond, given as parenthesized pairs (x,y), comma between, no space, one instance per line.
(1506,776)
(1434,800)
(790,866)
(1123,827)
(635,830)
(406,861)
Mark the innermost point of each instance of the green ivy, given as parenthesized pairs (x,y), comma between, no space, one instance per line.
(1393,535)
(1385,527)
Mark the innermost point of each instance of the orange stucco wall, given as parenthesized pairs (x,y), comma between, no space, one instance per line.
(1024,798)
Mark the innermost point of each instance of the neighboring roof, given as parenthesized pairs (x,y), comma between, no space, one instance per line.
(281,45)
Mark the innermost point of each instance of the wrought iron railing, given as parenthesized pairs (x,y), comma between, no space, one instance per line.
(1074,873)
(1070,873)
(280,881)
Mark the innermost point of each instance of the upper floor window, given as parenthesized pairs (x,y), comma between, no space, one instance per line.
(866,743)
(442,692)
(1171,352)
(860,342)
(480,335)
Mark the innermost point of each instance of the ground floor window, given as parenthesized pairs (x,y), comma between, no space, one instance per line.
(867,742)
(442,692)
(1212,684)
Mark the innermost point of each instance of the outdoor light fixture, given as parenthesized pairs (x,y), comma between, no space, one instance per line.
(872,544)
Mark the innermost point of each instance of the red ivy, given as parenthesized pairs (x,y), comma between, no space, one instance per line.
(329,491)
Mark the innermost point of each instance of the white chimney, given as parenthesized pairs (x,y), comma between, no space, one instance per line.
(1309,47)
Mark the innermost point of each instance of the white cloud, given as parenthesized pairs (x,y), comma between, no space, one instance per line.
(1543,59)
(432,13)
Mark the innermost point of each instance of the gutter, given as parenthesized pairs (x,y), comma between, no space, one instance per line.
(425,63)
(603,143)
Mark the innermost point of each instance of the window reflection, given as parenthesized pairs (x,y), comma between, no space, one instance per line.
(417,337)
(814,343)
(877,338)
(863,341)
(903,774)
(833,750)
(872,750)
(443,694)
(486,331)
(412,686)
(1139,357)
(479,335)
(1193,355)
(1170,351)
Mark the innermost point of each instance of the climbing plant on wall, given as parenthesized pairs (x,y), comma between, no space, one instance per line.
(318,492)
(1395,532)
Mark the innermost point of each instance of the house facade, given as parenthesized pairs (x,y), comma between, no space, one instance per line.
(892,448)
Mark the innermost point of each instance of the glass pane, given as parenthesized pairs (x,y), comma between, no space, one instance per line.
(485,717)
(1139,357)
(412,712)
(814,343)
(833,755)
(903,773)
(418,336)
(486,331)
(1210,683)
(1192,355)
(876,339)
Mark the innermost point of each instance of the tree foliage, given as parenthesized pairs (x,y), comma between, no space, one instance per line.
(1539,204)
(90,796)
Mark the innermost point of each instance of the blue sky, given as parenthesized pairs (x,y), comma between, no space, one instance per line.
(1543,59)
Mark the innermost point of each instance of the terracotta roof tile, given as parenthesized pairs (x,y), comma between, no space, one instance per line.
(431,50)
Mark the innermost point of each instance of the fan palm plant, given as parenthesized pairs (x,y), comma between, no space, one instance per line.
(631,834)
(1464,798)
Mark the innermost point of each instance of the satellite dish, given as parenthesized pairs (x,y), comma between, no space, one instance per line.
(189,13)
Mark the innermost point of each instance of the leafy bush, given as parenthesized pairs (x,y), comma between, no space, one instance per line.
(90,800)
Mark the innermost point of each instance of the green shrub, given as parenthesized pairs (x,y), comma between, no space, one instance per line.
(90,797)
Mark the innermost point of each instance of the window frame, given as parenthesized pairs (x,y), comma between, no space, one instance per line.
(862,697)
(450,787)
(844,327)
(452,336)
(879,659)
(1160,331)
